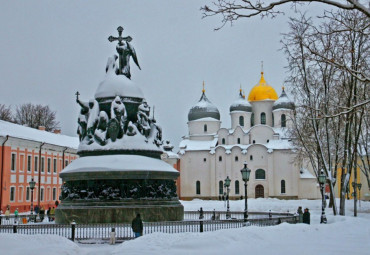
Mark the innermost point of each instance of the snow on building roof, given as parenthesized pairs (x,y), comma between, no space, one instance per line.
(241,104)
(23,132)
(283,102)
(196,145)
(279,145)
(305,174)
(203,109)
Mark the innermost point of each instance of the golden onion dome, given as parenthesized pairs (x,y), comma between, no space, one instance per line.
(262,91)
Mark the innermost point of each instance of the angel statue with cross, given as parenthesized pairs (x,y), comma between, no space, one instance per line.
(125,50)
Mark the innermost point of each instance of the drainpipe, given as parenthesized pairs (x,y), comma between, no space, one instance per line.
(39,187)
(2,171)
(63,165)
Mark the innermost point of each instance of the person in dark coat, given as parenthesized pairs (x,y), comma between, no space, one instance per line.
(201,215)
(300,214)
(306,216)
(137,226)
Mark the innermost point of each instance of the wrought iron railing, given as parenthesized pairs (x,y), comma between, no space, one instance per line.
(123,231)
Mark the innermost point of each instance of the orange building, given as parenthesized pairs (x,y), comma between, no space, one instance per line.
(28,153)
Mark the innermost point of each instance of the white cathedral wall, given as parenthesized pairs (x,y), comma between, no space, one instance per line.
(277,117)
(262,106)
(260,134)
(235,119)
(196,127)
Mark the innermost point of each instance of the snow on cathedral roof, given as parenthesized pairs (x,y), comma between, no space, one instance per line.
(23,132)
(196,145)
(283,102)
(203,109)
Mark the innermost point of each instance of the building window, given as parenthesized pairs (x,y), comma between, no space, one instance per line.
(220,187)
(42,194)
(66,163)
(260,174)
(54,194)
(254,141)
(251,157)
(236,158)
(283,120)
(198,187)
(241,121)
(273,120)
(29,163)
(14,162)
(36,164)
(268,141)
(48,194)
(12,194)
(21,163)
(238,140)
(220,158)
(205,127)
(263,118)
(282,186)
(223,141)
(42,164)
(20,194)
(237,187)
(49,165)
(252,119)
(55,165)
(204,160)
(28,193)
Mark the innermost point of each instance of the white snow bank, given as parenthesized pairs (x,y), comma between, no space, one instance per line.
(19,131)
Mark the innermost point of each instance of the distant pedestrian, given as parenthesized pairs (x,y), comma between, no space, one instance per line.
(48,213)
(16,213)
(7,214)
(300,214)
(201,214)
(214,214)
(56,203)
(306,216)
(137,226)
(37,209)
(52,213)
(42,213)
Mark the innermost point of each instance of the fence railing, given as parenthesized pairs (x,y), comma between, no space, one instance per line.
(124,232)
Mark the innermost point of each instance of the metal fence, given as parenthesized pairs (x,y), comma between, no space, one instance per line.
(124,231)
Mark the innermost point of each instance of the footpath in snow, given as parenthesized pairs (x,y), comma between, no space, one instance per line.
(342,235)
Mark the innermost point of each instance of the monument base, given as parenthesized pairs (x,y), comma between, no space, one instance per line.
(118,212)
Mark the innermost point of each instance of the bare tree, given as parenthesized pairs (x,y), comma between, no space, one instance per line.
(232,10)
(6,113)
(332,99)
(35,116)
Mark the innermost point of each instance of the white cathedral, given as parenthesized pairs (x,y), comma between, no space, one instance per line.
(258,135)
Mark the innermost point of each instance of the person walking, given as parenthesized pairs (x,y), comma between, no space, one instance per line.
(7,213)
(48,213)
(300,214)
(16,215)
(42,213)
(201,213)
(306,216)
(137,226)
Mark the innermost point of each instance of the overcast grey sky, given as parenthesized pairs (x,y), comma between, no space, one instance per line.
(51,49)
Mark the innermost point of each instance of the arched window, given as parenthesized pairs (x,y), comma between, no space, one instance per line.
(205,127)
(260,174)
(198,187)
(220,187)
(241,121)
(204,160)
(251,157)
(219,158)
(254,141)
(283,120)
(252,119)
(223,141)
(238,140)
(236,158)
(263,118)
(282,186)
(236,187)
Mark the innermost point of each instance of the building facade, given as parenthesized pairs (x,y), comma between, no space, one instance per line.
(258,135)
(28,153)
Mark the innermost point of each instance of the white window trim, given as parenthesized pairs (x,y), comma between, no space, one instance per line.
(42,165)
(15,162)
(15,194)
(55,166)
(29,171)
(36,166)
(48,169)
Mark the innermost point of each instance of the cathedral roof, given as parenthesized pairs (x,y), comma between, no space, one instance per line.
(283,102)
(262,91)
(203,109)
(241,104)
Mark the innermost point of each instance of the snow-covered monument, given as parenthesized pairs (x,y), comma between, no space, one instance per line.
(120,172)
(258,135)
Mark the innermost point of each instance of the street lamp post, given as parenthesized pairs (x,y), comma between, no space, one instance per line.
(32,186)
(322,181)
(359,185)
(245,175)
(227,185)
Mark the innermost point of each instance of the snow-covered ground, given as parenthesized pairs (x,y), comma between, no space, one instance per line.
(342,235)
